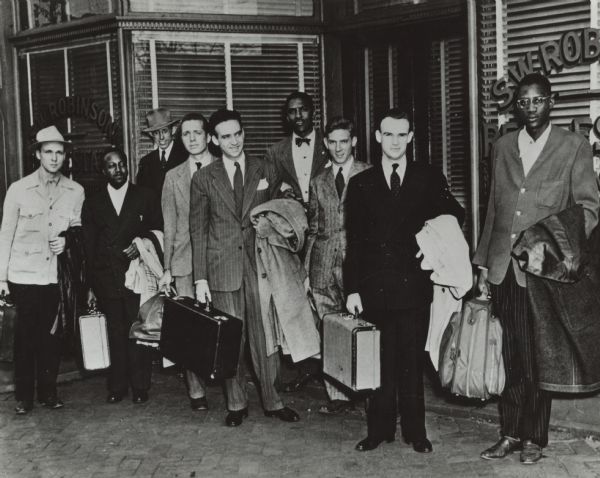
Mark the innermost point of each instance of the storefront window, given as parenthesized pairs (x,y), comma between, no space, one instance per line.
(252,74)
(377,4)
(299,8)
(37,13)
(76,89)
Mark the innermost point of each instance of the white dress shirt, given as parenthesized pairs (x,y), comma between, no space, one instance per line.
(167,151)
(303,158)
(117,196)
(346,167)
(530,149)
(192,164)
(230,167)
(387,164)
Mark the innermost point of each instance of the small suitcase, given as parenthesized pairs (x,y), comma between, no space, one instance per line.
(8,317)
(94,341)
(351,351)
(200,338)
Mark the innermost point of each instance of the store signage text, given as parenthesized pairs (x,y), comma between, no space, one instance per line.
(576,47)
(78,106)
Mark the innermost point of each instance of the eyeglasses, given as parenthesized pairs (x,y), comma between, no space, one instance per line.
(523,103)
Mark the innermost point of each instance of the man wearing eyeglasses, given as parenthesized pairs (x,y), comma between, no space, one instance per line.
(538,171)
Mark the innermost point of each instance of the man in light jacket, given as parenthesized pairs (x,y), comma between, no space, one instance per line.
(36,210)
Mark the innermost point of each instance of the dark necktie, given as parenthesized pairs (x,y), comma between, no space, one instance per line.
(339,183)
(163,159)
(300,140)
(395,181)
(238,189)
(198,165)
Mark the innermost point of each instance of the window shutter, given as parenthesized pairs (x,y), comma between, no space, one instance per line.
(262,76)
(312,79)
(379,85)
(48,82)
(529,23)
(237,7)
(142,101)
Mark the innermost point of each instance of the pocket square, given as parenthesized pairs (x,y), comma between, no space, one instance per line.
(262,184)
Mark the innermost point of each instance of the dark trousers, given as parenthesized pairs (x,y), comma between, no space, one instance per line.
(524,408)
(403,336)
(130,363)
(35,346)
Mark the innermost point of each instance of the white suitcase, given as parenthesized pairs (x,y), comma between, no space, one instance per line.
(94,341)
(351,351)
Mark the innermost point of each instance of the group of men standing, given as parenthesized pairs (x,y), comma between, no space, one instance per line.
(361,254)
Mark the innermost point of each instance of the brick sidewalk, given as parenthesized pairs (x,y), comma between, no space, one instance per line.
(164,438)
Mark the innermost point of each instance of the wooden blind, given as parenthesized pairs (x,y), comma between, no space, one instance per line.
(379,75)
(234,7)
(529,23)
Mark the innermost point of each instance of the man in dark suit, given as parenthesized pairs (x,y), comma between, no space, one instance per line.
(386,206)
(326,238)
(538,171)
(169,153)
(111,219)
(223,252)
(300,156)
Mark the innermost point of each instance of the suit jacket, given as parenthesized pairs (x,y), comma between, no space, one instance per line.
(562,175)
(108,234)
(29,222)
(280,155)
(326,240)
(220,238)
(175,202)
(381,263)
(151,173)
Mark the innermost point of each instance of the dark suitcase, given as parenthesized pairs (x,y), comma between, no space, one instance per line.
(8,318)
(202,339)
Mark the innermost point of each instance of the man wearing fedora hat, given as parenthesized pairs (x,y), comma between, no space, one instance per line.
(37,208)
(168,154)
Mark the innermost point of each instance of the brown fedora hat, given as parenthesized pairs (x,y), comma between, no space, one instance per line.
(158,119)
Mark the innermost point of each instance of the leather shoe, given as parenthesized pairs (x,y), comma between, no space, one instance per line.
(285,414)
(422,446)
(24,407)
(336,407)
(531,453)
(199,404)
(372,443)
(139,396)
(114,397)
(301,380)
(503,447)
(52,403)
(235,417)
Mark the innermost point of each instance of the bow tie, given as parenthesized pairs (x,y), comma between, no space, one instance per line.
(299,141)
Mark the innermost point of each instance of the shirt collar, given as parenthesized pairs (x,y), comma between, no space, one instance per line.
(45,178)
(542,139)
(167,151)
(387,163)
(230,163)
(345,167)
(121,190)
(310,136)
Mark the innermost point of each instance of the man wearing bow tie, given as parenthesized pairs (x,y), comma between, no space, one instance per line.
(175,203)
(300,156)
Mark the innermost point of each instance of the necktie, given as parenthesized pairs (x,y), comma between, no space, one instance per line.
(395,181)
(198,165)
(163,159)
(339,182)
(238,189)
(300,140)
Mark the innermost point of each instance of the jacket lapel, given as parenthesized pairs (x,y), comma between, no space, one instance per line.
(184,180)
(320,157)
(253,173)
(551,145)
(288,160)
(330,188)
(223,186)
(127,209)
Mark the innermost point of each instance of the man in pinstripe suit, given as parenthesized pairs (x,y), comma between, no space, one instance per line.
(537,171)
(222,196)
(326,241)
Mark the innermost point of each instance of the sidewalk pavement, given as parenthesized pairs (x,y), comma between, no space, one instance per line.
(165,438)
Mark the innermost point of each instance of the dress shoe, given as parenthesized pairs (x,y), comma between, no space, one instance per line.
(285,414)
(422,446)
(503,447)
(139,396)
(114,397)
(236,417)
(24,407)
(53,403)
(531,453)
(372,443)
(199,404)
(301,380)
(336,407)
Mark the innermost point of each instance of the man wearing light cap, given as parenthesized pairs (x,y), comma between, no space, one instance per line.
(168,154)
(37,208)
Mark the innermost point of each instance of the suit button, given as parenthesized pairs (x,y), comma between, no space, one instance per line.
(259,249)
(240,248)
(513,236)
(518,213)
(50,224)
(264,275)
